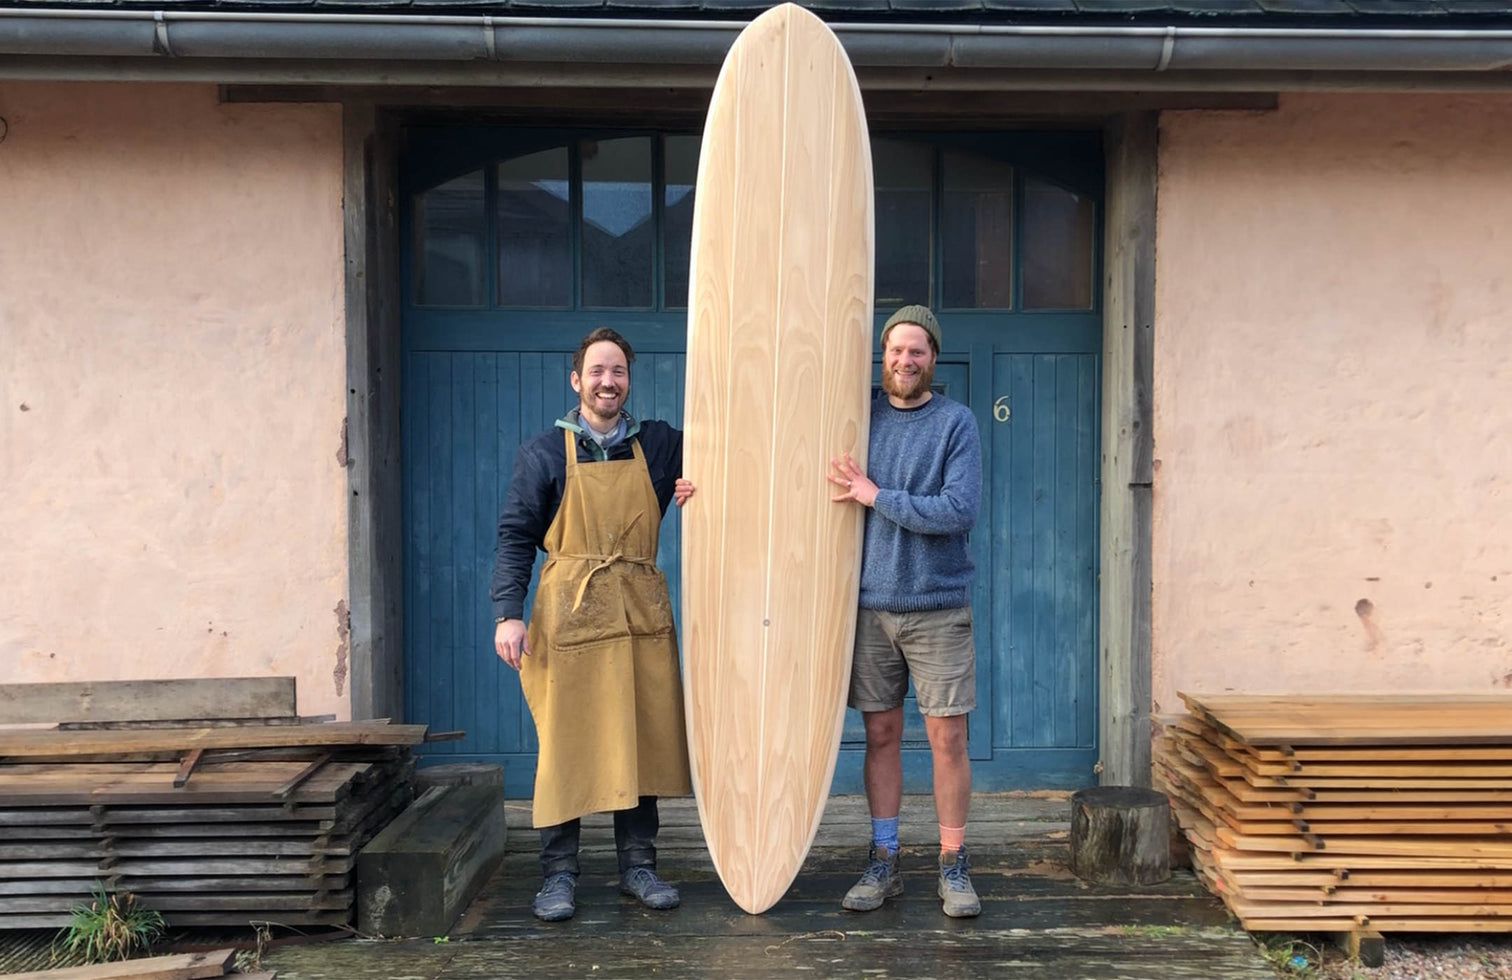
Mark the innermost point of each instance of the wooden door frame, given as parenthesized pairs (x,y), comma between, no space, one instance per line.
(372,452)
(375,533)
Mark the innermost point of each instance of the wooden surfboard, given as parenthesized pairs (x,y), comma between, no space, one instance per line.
(778,383)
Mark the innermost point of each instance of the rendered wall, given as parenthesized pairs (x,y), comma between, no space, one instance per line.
(1333,397)
(172,372)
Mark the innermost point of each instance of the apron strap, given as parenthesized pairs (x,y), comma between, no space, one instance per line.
(570,450)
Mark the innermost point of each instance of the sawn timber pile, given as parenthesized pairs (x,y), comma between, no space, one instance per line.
(1329,814)
(252,821)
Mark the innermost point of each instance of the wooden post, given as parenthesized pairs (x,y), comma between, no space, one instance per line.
(1127,451)
(1120,835)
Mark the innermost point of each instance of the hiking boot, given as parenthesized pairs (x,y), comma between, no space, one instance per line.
(879,882)
(554,902)
(653,893)
(959,898)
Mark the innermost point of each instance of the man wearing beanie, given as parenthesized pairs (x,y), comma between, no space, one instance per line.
(922,493)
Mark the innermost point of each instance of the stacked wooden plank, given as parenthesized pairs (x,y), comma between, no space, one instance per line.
(1332,814)
(248,821)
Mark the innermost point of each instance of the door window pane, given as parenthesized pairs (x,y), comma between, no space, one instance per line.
(534,230)
(904,178)
(677,229)
(449,259)
(617,225)
(1058,232)
(976,231)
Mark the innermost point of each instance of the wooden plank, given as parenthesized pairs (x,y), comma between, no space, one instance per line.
(158,885)
(19,744)
(1378,923)
(1371,879)
(1229,859)
(1414,846)
(150,700)
(256,904)
(185,966)
(1365,911)
(1326,829)
(1384,719)
(155,867)
(1398,896)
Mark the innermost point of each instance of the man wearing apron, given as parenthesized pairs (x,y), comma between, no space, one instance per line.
(598,662)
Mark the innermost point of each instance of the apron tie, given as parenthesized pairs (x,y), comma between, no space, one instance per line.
(604,561)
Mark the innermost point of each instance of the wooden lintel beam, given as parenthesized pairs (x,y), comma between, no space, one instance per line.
(890,106)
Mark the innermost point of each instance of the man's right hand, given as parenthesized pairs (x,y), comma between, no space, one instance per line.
(510,642)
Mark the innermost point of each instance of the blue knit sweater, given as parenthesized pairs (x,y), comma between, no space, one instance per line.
(927,462)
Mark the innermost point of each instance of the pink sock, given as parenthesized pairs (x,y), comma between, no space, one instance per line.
(951,839)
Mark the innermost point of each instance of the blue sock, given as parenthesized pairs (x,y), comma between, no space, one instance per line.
(885,833)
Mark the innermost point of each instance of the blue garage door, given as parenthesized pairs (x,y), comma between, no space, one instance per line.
(516,242)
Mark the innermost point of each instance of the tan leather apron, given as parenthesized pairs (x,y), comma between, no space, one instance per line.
(602,678)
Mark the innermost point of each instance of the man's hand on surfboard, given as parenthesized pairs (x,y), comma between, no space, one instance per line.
(851,479)
(510,642)
(682,490)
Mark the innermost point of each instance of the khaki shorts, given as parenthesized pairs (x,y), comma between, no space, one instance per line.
(935,647)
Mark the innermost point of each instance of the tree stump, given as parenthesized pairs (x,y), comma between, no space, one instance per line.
(1120,835)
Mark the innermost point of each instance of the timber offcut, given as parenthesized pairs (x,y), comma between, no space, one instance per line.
(1391,813)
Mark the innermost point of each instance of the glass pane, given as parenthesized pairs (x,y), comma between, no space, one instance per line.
(617,225)
(976,228)
(1058,229)
(677,219)
(535,231)
(449,259)
(904,177)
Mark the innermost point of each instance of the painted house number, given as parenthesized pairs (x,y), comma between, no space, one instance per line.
(1000,408)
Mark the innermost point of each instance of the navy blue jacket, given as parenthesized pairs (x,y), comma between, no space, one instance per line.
(535,493)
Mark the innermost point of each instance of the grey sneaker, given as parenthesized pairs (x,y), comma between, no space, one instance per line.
(959,898)
(554,902)
(879,882)
(653,893)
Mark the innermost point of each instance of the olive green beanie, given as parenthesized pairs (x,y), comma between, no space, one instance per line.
(916,314)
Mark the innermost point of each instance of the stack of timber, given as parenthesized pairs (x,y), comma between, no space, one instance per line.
(209,820)
(1341,813)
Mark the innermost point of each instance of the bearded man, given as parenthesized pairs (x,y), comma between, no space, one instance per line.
(598,663)
(922,491)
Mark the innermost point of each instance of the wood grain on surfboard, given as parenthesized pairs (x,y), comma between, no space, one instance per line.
(778,382)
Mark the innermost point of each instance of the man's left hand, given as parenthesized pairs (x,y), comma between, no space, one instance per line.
(682,490)
(852,480)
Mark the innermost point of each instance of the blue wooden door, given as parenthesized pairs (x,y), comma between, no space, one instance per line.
(517,242)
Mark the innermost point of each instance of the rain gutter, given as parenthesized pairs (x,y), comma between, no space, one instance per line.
(393,48)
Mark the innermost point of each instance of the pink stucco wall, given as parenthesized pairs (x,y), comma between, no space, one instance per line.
(171,388)
(1333,397)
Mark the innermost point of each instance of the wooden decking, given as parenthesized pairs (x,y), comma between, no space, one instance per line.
(1037,919)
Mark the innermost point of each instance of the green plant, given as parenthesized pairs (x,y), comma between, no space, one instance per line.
(110,927)
(1289,955)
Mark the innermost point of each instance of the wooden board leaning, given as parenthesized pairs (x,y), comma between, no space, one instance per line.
(778,382)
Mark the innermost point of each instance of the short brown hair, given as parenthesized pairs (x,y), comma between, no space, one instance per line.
(599,335)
